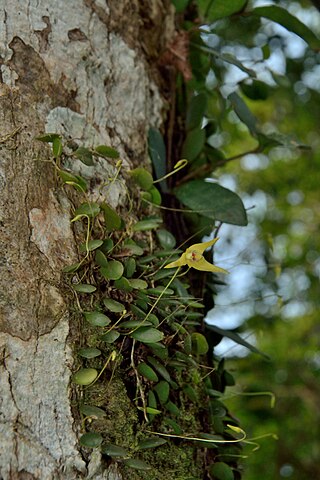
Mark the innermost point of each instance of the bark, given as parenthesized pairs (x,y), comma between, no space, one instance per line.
(84,70)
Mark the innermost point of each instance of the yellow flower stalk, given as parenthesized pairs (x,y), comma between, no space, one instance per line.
(193,257)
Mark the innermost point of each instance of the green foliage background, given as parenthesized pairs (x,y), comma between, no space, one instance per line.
(286,102)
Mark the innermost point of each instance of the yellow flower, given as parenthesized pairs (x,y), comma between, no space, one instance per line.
(193,257)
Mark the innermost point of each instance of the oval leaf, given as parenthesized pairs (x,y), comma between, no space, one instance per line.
(113,270)
(136,464)
(84,155)
(91,209)
(97,319)
(213,201)
(110,337)
(142,177)
(147,372)
(221,471)
(91,245)
(92,411)
(151,442)
(85,376)
(147,335)
(84,288)
(91,440)
(106,152)
(193,144)
(199,344)
(90,352)
(113,305)
(114,450)
(162,390)
(166,239)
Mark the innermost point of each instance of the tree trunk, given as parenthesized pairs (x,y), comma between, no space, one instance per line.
(84,70)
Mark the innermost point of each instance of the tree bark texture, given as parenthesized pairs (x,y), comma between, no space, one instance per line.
(84,69)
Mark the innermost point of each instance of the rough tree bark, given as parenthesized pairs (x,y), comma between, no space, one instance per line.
(82,69)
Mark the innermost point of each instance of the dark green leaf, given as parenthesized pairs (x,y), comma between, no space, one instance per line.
(157,152)
(84,155)
(147,372)
(57,147)
(162,390)
(288,21)
(92,411)
(136,464)
(114,450)
(113,270)
(159,368)
(113,305)
(130,267)
(106,152)
(138,284)
(199,344)
(256,90)
(97,319)
(92,245)
(91,440)
(123,284)
(71,268)
(147,335)
(91,209)
(196,111)
(236,338)
(166,239)
(84,288)
(193,144)
(145,225)
(213,201)
(216,9)
(151,442)
(78,182)
(172,408)
(48,137)
(243,112)
(90,352)
(111,218)
(221,471)
(100,259)
(110,337)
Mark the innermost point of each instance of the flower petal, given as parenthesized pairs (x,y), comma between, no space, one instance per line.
(178,263)
(201,247)
(205,266)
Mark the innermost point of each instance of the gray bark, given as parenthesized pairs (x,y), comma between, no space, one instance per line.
(79,69)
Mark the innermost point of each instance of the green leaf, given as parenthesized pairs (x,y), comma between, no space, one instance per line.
(172,408)
(142,177)
(180,5)
(138,284)
(190,392)
(221,471)
(159,368)
(100,259)
(106,152)
(84,155)
(92,245)
(91,440)
(97,319)
(256,90)
(213,201)
(193,144)
(85,376)
(113,270)
(90,352)
(71,268)
(57,147)
(84,288)
(111,218)
(113,305)
(151,442)
(110,337)
(91,209)
(136,464)
(92,411)
(166,239)
(236,338)
(196,111)
(199,344)
(123,284)
(147,335)
(288,21)
(155,196)
(162,390)
(78,182)
(48,137)
(216,9)
(147,372)
(157,152)
(130,267)
(145,225)
(134,323)
(114,450)
(243,112)
(130,248)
